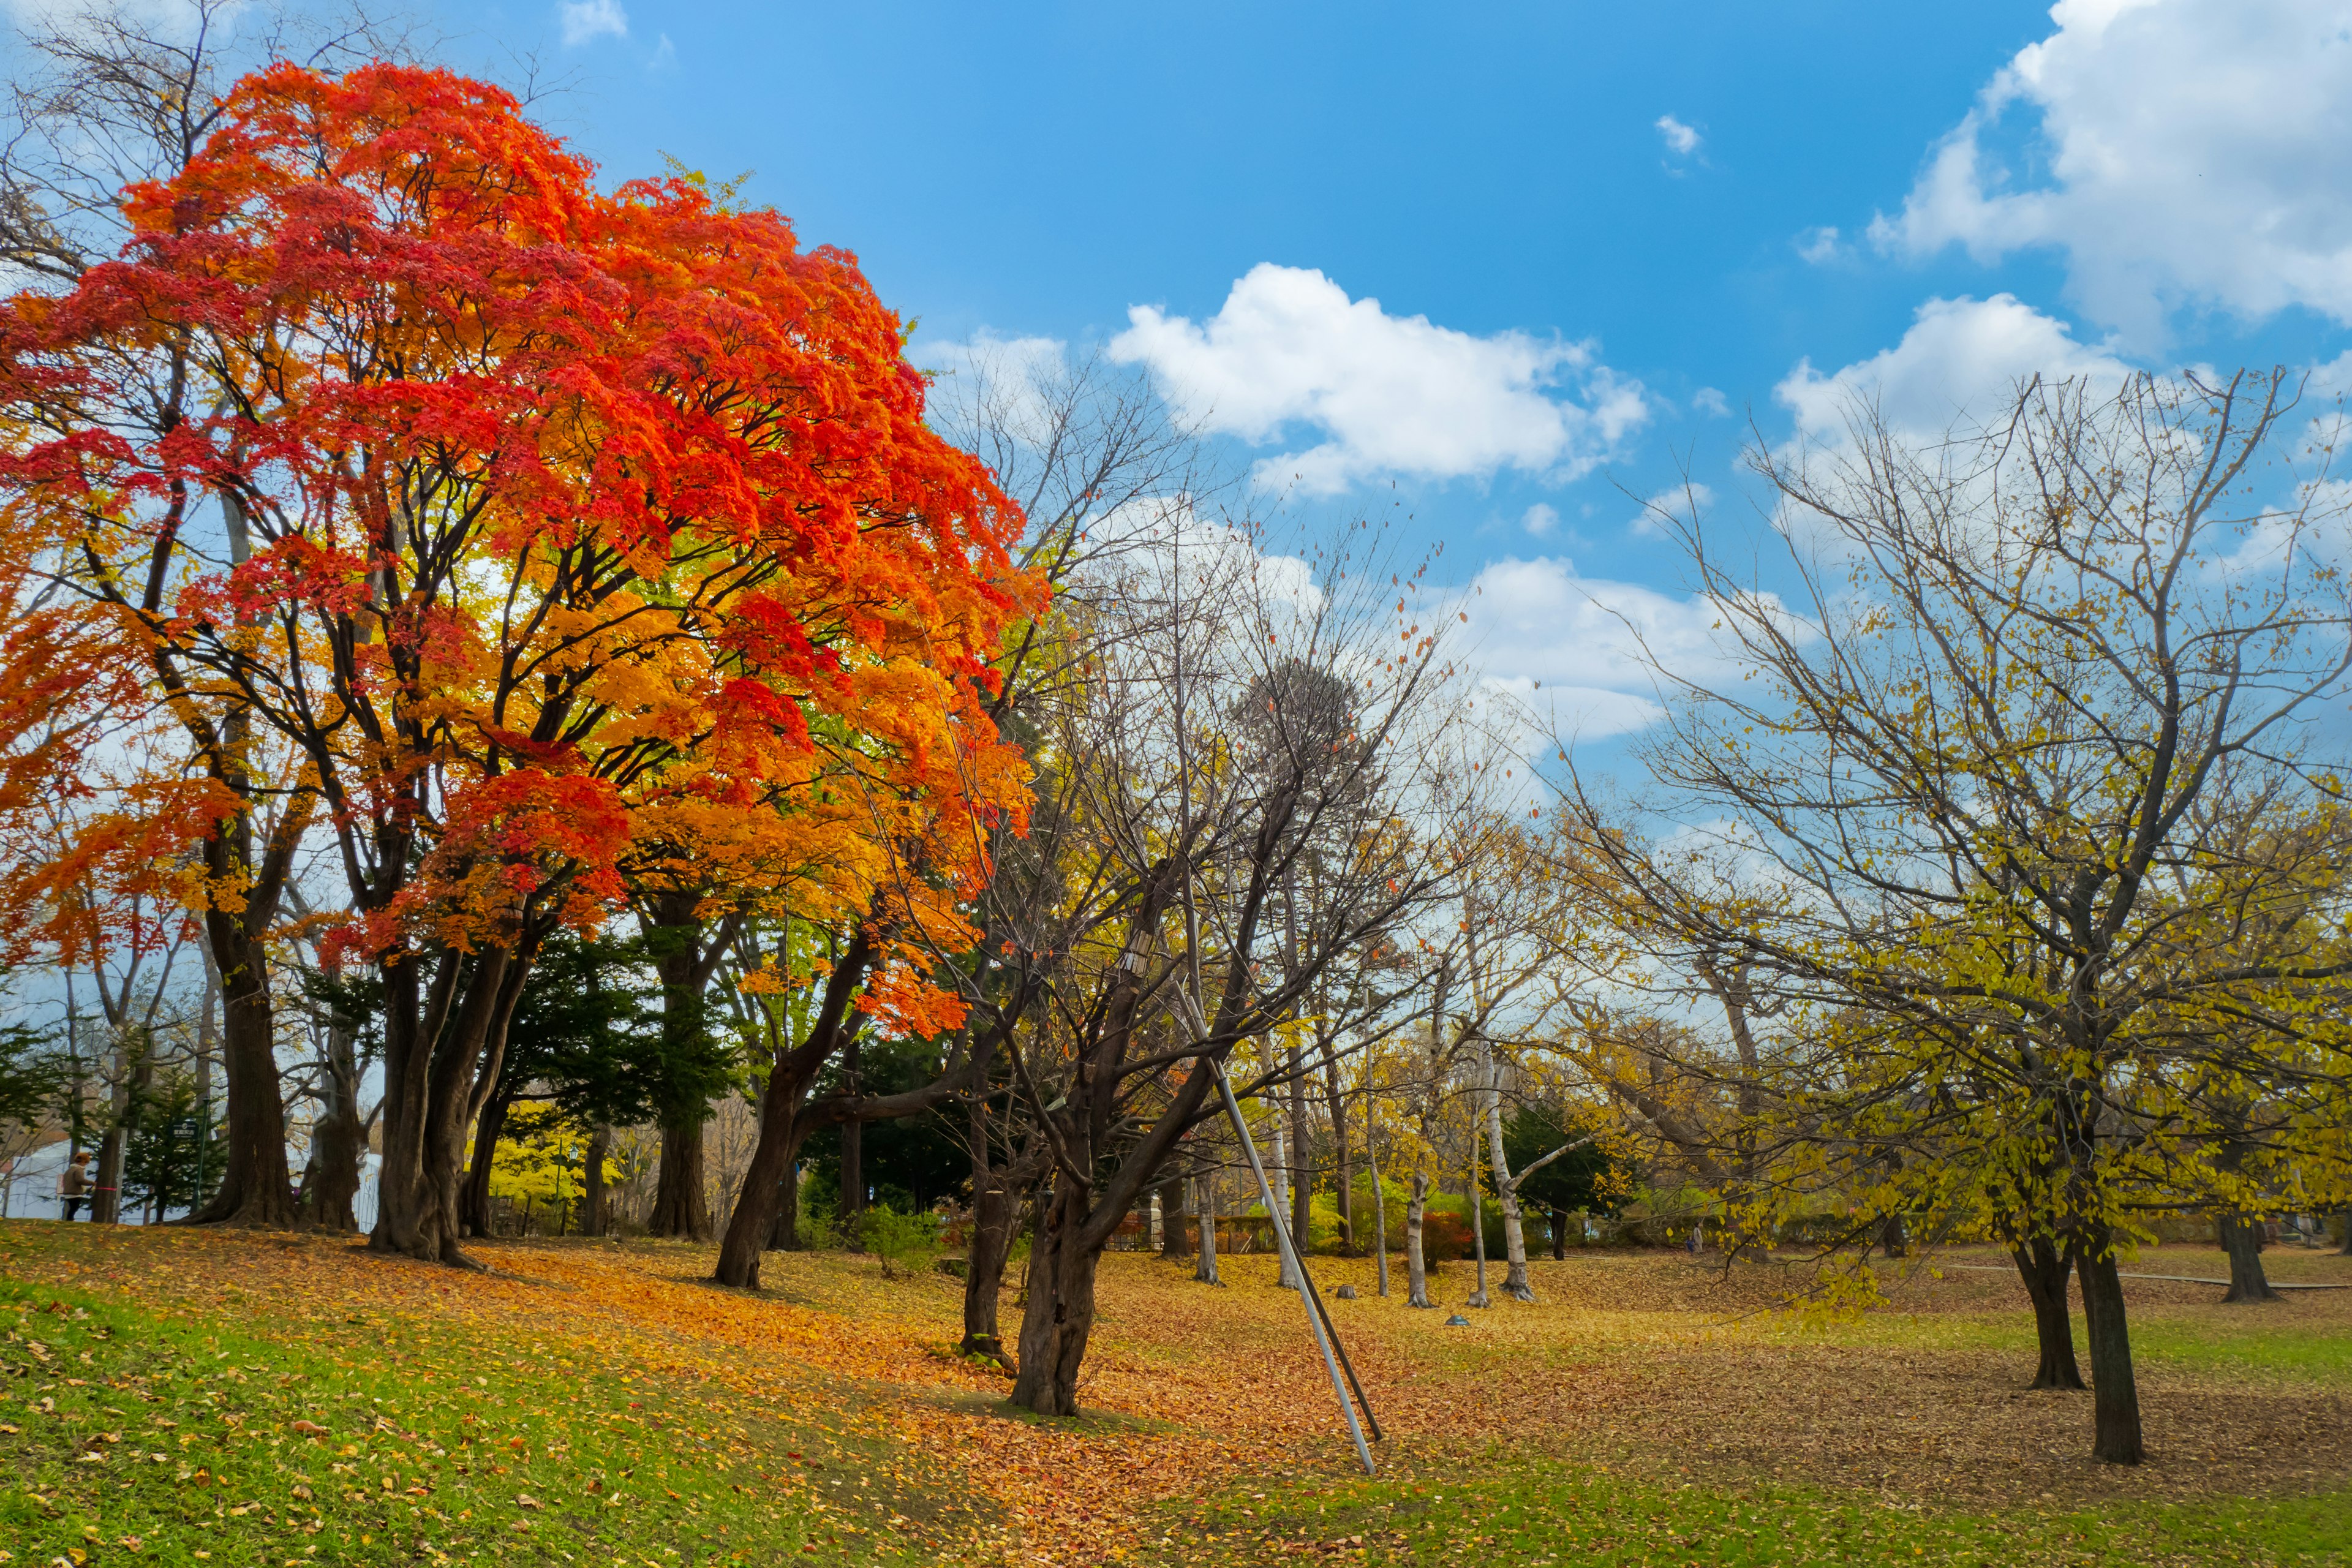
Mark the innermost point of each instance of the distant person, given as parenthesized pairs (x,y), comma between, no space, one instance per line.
(73,1184)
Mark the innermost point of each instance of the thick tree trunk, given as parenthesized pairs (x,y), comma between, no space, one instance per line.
(1060,1313)
(2115,1393)
(491,1125)
(591,1180)
(1175,1236)
(1204,1216)
(784,1230)
(995,1218)
(2346,1250)
(681,1205)
(2241,1238)
(255,1188)
(1416,1269)
(2043,1267)
(439,1057)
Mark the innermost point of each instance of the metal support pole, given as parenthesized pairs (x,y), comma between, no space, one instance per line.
(1290,1256)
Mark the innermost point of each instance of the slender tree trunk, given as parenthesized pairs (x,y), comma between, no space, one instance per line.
(1342,1157)
(2242,1237)
(106,1170)
(591,1180)
(1416,1269)
(752,1227)
(1478,1298)
(1059,1316)
(1380,1199)
(2043,1267)
(1204,1215)
(1302,1157)
(1507,1193)
(2115,1393)
(330,1177)
(1558,1220)
(488,1128)
(1279,1169)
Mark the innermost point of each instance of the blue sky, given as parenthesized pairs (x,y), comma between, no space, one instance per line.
(1600,238)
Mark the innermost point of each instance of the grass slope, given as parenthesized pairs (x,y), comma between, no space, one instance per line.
(179,1438)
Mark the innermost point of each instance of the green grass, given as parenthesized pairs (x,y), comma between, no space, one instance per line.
(129,1434)
(1516,1511)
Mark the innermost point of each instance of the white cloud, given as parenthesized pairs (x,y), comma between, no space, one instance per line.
(665,57)
(1681,139)
(1540,520)
(1579,650)
(586,20)
(1818,245)
(1709,400)
(1960,361)
(1686,503)
(1393,395)
(2177,151)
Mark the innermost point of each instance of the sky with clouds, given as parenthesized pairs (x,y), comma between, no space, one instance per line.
(1517,270)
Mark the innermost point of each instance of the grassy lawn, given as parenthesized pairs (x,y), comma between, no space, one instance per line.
(1509,1511)
(184,1397)
(182,1438)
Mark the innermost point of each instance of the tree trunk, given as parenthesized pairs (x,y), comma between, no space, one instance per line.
(1285,1275)
(1175,1237)
(1558,1220)
(2242,1237)
(753,1227)
(784,1231)
(1507,1192)
(1380,1199)
(591,1180)
(1416,1270)
(2043,1267)
(1060,1314)
(996,1216)
(1342,1159)
(853,1184)
(255,1188)
(2114,1394)
(1478,1298)
(1204,1213)
(681,1206)
(1302,1158)
(2346,1250)
(475,1214)
(438,1058)
(330,1176)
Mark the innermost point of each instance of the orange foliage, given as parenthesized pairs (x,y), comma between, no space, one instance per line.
(590,540)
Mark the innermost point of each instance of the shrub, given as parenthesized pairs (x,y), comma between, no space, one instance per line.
(906,1243)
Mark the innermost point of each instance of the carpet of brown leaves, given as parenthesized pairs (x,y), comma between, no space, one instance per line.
(1655,1362)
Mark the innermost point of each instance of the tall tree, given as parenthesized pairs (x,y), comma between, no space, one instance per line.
(566,510)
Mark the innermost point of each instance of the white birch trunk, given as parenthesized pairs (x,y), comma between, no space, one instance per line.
(1204,1212)
(1416,1273)
(1507,1193)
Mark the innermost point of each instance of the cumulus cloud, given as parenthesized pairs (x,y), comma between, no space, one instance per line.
(1959,361)
(1540,518)
(1709,400)
(1681,139)
(1579,650)
(586,20)
(1392,394)
(2177,152)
